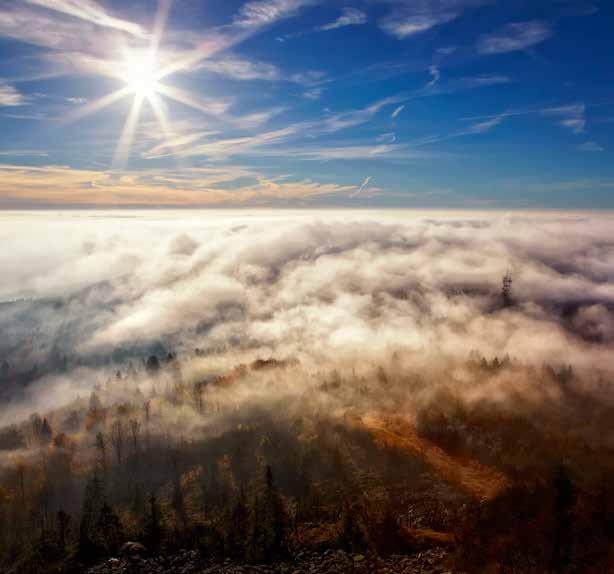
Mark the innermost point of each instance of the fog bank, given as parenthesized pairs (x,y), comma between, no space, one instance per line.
(83,292)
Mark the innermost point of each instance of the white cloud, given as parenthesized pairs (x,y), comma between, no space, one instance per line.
(572,117)
(309,78)
(224,185)
(321,288)
(485,126)
(349,152)
(397,111)
(435,77)
(90,11)
(591,147)
(241,69)
(23,153)
(483,81)
(412,25)
(515,36)
(387,138)
(256,119)
(364,184)
(411,17)
(264,12)
(77,101)
(314,94)
(447,50)
(343,120)
(349,17)
(10,96)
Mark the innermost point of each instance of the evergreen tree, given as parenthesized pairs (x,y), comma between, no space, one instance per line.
(46,434)
(63,520)
(153,527)
(108,529)
(563,502)
(92,503)
(506,290)
(236,537)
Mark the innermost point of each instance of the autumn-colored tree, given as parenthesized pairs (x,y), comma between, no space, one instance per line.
(135,427)
(117,439)
(101,448)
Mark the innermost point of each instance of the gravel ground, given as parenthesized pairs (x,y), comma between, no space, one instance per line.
(431,561)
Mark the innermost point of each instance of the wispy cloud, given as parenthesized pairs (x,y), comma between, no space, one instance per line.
(22,153)
(591,147)
(344,120)
(309,78)
(411,17)
(349,17)
(412,25)
(513,37)
(10,96)
(222,148)
(349,152)
(77,101)
(241,69)
(387,138)
(572,117)
(256,119)
(397,111)
(485,126)
(53,185)
(362,186)
(447,50)
(265,12)
(435,77)
(482,81)
(313,94)
(91,12)
(578,185)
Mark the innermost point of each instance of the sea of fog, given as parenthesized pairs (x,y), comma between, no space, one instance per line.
(88,291)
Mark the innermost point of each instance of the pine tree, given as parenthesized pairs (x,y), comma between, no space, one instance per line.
(272,519)
(108,529)
(563,502)
(46,434)
(153,527)
(506,290)
(236,537)
(63,520)
(92,503)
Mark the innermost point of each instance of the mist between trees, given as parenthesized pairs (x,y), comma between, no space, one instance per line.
(253,387)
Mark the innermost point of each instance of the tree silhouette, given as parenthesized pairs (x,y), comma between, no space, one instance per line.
(506,290)
(153,527)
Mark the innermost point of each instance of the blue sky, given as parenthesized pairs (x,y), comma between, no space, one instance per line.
(411,103)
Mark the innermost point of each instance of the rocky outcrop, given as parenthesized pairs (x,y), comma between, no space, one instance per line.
(433,561)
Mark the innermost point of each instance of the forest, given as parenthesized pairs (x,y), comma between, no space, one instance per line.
(311,396)
(270,459)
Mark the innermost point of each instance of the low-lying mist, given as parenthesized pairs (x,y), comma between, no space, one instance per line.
(83,293)
(399,378)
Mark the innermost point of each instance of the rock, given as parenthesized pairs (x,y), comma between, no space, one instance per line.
(133,550)
(359,558)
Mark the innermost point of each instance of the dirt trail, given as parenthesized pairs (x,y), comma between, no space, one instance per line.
(468,474)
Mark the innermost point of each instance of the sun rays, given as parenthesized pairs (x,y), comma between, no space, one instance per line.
(141,72)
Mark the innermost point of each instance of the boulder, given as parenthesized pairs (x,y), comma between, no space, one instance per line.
(133,550)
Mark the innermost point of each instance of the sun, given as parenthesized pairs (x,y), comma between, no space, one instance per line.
(141,74)
(144,77)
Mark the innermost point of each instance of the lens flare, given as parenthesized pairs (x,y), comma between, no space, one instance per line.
(140,73)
